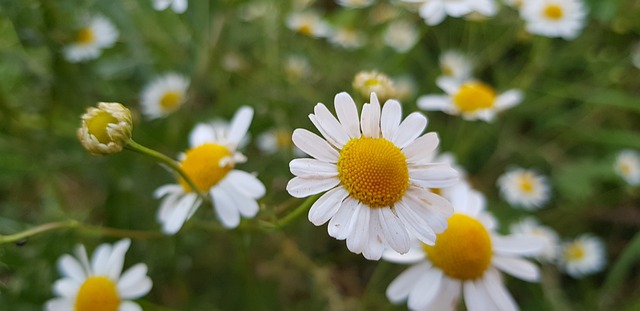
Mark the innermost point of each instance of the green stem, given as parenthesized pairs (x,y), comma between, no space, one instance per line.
(301,209)
(163,159)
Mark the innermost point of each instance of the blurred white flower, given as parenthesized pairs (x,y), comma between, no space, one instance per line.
(434,11)
(531,226)
(99,284)
(277,139)
(554,18)
(347,38)
(583,256)
(456,65)
(524,188)
(465,260)
(401,36)
(474,100)
(297,67)
(367,82)
(308,23)
(97,33)
(628,166)
(178,6)
(164,95)
(354,3)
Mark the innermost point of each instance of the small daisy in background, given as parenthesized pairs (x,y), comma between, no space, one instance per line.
(96,34)
(277,139)
(628,166)
(348,38)
(297,67)
(516,4)
(524,188)
(356,4)
(531,226)
(554,18)
(435,11)
(164,95)
(401,36)
(455,65)
(375,171)
(308,23)
(178,6)
(99,283)
(367,82)
(473,100)
(210,164)
(465,260)
(583,256)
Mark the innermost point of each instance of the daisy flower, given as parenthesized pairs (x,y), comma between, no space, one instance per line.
(473,100)
(99,284)
(274,140)
(297,67)
(455,65)
(531,226)
(524,188)
(96,33)
(164,95)
(628,166)
(401,36)
(210,164)
(178,6)
(367,82)
(554,18)
(375,170)
(309,24)
(434,11)
(465,259)
(347,38)
(583,256)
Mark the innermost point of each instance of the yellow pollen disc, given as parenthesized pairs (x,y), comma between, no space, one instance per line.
(97,126)
(574,252)
(553,11)
(306,29)
(202,165)
(170,100)
(437,191)
(473,96)
(374,171)
(526,183)
(625,168)
(97,293)
(447,70)
(463,251)
(372,82)
(85,36)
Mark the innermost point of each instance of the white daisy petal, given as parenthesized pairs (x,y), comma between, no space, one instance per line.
(179,214)
(425,144)
(499,295)
(141,288)
(132,278)
(425,290)
(402,285)
(434,176)
(390,118)
(100,259)
(314,146)
(517,267)
(409,129)
(517,245)
(327,205)
(376,243)
(201,134)
(225,208)
(166,189)
(129,306)
(247,206)
(331,125)
(116,260)
(474,297)
(414,255)
(357,239)
(308,168)
(347,114)
(71,268)
(416,223)
(59,304)
(240,124)
(66,288)
(303,187)
(246,184)
(434,102)
(373,119)
(393,230)
(509,99)
(340,224)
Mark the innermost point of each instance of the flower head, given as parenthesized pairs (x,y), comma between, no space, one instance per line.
(375,170)
(105,129)
(347,37)
(465,259)
(164,95)
(210,164)
(309,24)
(473,100)
(583,256)
(367,82)
(524,188)
(99,284)
(178,6)
(95,34)
(628,166)
(531,226)
(297,67)
(401,36)
(554,18)
(456,65)
(434,11)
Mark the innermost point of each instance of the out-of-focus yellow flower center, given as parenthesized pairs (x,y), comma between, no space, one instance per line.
(371,82)
(574,252)
(526,183)
(553,11)
(447,70)
(97,293)
(306,29)
(170,100)
(473,96)
(97,126)
(283,139)
(373,170)
(625,168)
(85,36)
(202,165)
(463,251)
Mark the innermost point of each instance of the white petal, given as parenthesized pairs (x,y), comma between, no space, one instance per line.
(390,118)
(433,12)
(131,278)
(141,288)
(240,124)
(436,175)
(340,224)
(59,304)
(518,245)
(201,134)
(416,223)
(333,130)
(417,150)
(312,168)
(116,260)
(424,292)
(246,184)
(347,114)
(448,296)
(66,287)
(449,85)
(247,206)
(179,214)
(225,208)
(475,299)
(314,146)
(497,292)
(180,6)
(100,259)
(303,187)
(327,205)
(128,305)
(409,129)
(517,267)
(81,255)
(393,230)
(376,243)
(434,102)
(167,206)
(71,268)
(414,255)
(508,99)
(402,285)
(435,203)
(357,240)
(371,118)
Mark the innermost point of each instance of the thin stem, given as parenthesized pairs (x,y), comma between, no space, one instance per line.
(172,164)
(301,209)
(12,238)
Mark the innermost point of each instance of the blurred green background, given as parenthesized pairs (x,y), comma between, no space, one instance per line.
(581,107)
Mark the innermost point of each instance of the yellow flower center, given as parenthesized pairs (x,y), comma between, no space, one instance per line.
(170,100)
(283,139)
(553,11)
(97,126)
(473,96)
(373,170)
(447,70)
(574,252)
(625,169)
(85,36)
(463,251)
(202,165)
(372,82)
(526,183)
(97,293)
(306,29)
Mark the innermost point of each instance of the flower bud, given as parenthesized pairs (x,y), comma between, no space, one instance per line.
(367,82)
(105,129)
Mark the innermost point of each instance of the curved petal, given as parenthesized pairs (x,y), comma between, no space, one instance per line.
(59,304)
(371,118)
(179,214)
(417,150)
(497,292)
(517,267)
(358,238)
(201,134)
(303,187)
(402,285)
(409,129)
(225,208)
(141,288)
(239,125)
(116,260)
(66,287)
(526,245)
(247,206)
(419,225)
(475,298)
(393,230)
(436,175)
(314,146)
(390,118)
(347,114)
(433,12)
(434,102)
(180,6)
(128,305)
(376,242)
(333,130)
(509,99)
(414,255)
(100,259)
(340,224)
(246,183)
(327,205)
(312,168)
(131,278)
(425,290)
